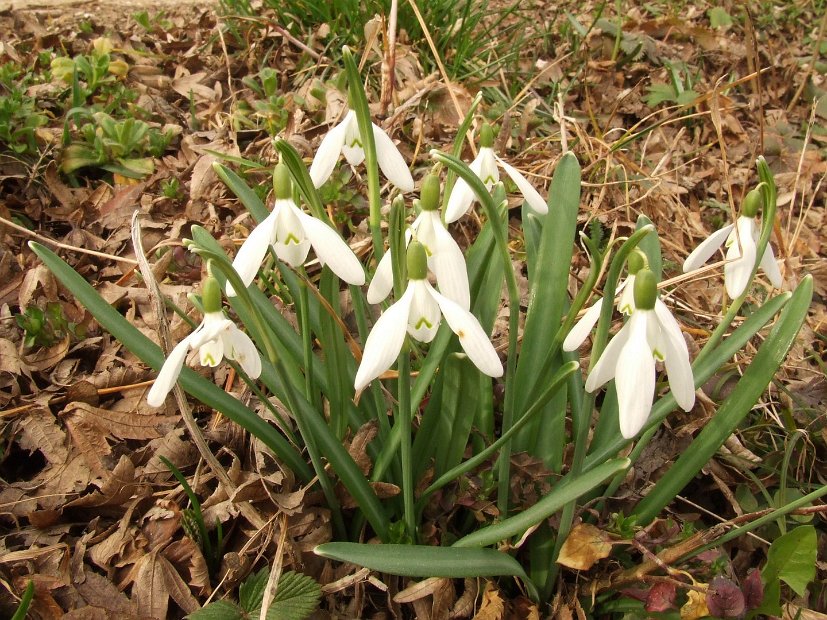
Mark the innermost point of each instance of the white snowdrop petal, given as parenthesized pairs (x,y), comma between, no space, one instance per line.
(462,196)
(770,267)
(486,167)
(707,248)
(604,369)
(635,378)
(472,337)
(332,250)
(581,330)
(382,282)
(678,367)
(531,195)
(391,161)
(384,341)
(239,347)
(353,147)
(169,373)
(448,264)
(328,153)
(211,352)
(738,269)
(251,253)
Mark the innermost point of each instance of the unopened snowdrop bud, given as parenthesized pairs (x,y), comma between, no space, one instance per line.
(417,261)
(646,290)
(753,202)
(429,194)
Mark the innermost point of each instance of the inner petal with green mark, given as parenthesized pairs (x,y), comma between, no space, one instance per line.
(423,321)
(291,238)
(356,142)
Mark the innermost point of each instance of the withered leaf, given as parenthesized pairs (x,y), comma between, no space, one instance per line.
(661,597)
(38,430)
(118,424)
(492,606)
(753,589)
(585,545)
(695,606)
(725,599)
(156,581)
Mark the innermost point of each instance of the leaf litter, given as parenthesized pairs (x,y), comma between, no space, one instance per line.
(90,513)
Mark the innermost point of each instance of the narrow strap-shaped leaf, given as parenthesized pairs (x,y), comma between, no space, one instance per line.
(301,177)
(743,398)
(150,353)
(566,490)
(243,192)
(424,561)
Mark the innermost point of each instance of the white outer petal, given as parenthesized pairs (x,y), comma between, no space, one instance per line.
(472,337)
(384,341)
(531,195)
(707,248)
(738,268)
(676,358)
(239,347)
(424,316)
(332,250)
(251,253)
(581,330)
(169,373)
(604,369)
(462,196)
(382,282)
(770,267)
(391,161)
(328,154)
(635,377)
(448,264)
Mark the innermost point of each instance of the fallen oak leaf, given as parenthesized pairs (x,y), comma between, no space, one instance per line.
(584,546)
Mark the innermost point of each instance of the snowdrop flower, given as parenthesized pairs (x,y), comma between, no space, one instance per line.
(418,312)
(292,232)
(626,304)
(215,338)
(651,334)
(445,259)
(738,266)
(485,167)
(345,138)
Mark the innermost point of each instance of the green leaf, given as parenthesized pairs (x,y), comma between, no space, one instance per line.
(296,598)
(219,610)
(792,559)
(718,17)
(660,93)
(424,561)
(251,592)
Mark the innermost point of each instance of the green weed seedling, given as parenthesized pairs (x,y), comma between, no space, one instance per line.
(43,328)
(19,116)
(297,596)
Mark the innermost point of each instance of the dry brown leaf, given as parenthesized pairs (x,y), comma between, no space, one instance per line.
(418,590)
(98,591)
(464,606)
(47,357)
(358,448)
(584,546)
(695,606)
(492,606)
(38,431)
(155,582)
(121,425)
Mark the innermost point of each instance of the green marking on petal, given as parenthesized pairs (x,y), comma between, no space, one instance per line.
(292,238)
(489,180)
(210,360)
(423,321)
(356,143)
(658,355)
